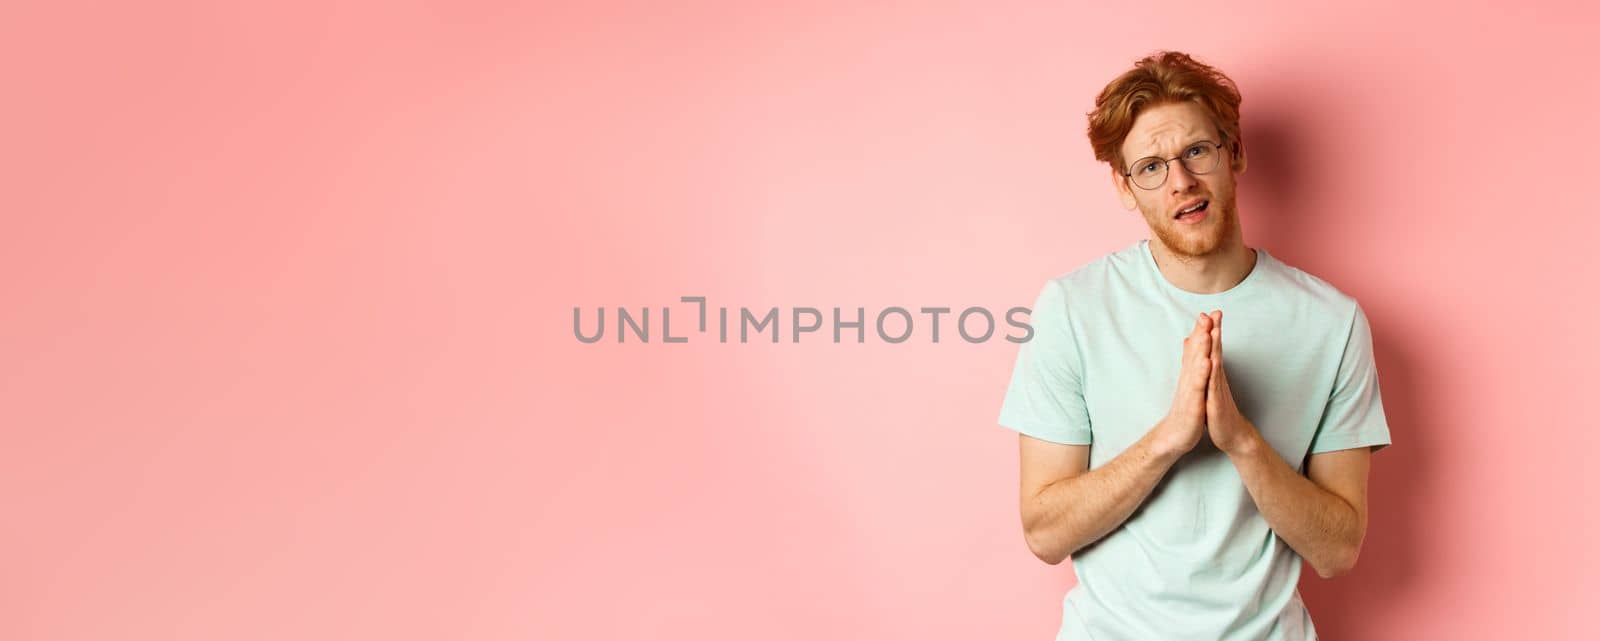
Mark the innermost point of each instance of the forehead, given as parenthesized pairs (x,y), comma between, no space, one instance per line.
(1164,129)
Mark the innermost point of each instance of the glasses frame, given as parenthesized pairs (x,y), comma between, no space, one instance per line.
(1166,169)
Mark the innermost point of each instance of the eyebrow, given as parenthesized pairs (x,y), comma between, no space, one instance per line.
(1180,149)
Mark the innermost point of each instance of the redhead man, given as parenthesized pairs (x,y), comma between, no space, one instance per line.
(1196,416)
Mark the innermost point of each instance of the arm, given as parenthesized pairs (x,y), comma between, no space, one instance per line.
(1323,517)
(1066,506)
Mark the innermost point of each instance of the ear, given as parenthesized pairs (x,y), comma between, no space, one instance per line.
(1124,190)
(1240,161)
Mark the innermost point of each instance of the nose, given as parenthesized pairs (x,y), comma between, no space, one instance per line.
(1179,179)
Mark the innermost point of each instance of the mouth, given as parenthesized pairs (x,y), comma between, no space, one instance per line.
(1193,212)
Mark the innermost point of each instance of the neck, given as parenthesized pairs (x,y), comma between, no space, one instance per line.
(1216,272)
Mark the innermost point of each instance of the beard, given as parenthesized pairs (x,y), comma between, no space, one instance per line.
(1196,241)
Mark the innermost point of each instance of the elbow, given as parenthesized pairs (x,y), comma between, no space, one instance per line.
(1339,562)
(1042,549)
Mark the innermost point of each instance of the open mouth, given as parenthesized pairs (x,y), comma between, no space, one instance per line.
(1193,211)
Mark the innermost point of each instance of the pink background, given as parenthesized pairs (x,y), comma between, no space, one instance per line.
(288,299)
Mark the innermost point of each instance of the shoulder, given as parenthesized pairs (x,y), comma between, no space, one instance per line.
(1095,278)
(1315,295)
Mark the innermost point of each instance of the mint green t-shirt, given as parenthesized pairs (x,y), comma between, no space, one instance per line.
(1196,560)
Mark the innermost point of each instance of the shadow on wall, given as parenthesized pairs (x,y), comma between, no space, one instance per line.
(1292,210)
(1360,605)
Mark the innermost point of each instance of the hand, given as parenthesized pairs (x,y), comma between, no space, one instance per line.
(1229,429)
(1185,423)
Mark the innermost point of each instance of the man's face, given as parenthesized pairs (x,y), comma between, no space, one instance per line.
(1166,131)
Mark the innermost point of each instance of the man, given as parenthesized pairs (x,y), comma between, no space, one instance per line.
(1196,416)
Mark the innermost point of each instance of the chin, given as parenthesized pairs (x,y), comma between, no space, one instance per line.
(1208,238)
(1191,247)
(1195,243)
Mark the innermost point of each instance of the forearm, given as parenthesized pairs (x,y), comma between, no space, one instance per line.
(1073,512)
(1323,528)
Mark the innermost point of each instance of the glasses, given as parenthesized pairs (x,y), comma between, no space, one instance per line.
(1198,158)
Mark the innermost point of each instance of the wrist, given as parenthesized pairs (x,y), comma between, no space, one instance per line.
(1247,443)
(1166,443)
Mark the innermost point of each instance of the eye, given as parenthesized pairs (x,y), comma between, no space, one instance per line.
(1149,167)
(1197,151)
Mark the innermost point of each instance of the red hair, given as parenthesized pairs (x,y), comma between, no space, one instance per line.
(1161,78)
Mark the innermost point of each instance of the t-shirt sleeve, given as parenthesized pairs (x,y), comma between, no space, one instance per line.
(1354,415)
(1045,397)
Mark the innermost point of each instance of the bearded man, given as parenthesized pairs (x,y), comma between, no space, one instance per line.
(1195,415)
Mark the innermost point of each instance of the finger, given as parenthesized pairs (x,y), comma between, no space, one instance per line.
(1194,365)
(1210,391)
(1214,364)
(1200,373)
